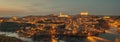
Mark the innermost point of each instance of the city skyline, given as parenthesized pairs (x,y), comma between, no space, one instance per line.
(45,7)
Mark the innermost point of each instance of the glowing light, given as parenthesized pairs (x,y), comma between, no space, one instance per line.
(102,39)
(74,31)
(14,17)
(1,20)
(106,17)
(63,15)
(109,32)
(54,39)
(84,13)
(94,39)
(91,39)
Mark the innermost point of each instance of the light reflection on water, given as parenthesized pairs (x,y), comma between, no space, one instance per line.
(109,36)
(91,39)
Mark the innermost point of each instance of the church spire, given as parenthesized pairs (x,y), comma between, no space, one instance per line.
(61,13)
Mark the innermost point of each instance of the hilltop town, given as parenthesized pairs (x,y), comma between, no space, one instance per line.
(81,24)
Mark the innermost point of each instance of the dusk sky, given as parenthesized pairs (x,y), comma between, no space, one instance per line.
(45,7)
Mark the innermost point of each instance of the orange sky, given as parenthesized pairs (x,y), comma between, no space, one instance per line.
(41,7)
(9,9)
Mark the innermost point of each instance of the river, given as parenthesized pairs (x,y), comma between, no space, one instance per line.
(110,36)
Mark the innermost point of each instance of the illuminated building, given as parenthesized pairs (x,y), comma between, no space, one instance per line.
(1,20)
(14,17)
(106,17)
(83,13)
(62,15)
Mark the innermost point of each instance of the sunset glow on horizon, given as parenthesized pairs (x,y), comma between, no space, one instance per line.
(43,7)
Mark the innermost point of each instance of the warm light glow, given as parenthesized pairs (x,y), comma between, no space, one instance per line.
(62,15)
(14,17)
(54,39)
(94,38)
(91,39)
(74,31)
(106,17)
(99,38)
(106,31)
(1,20)
(84,13)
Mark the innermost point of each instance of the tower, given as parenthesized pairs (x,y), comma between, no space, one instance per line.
(60,13)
